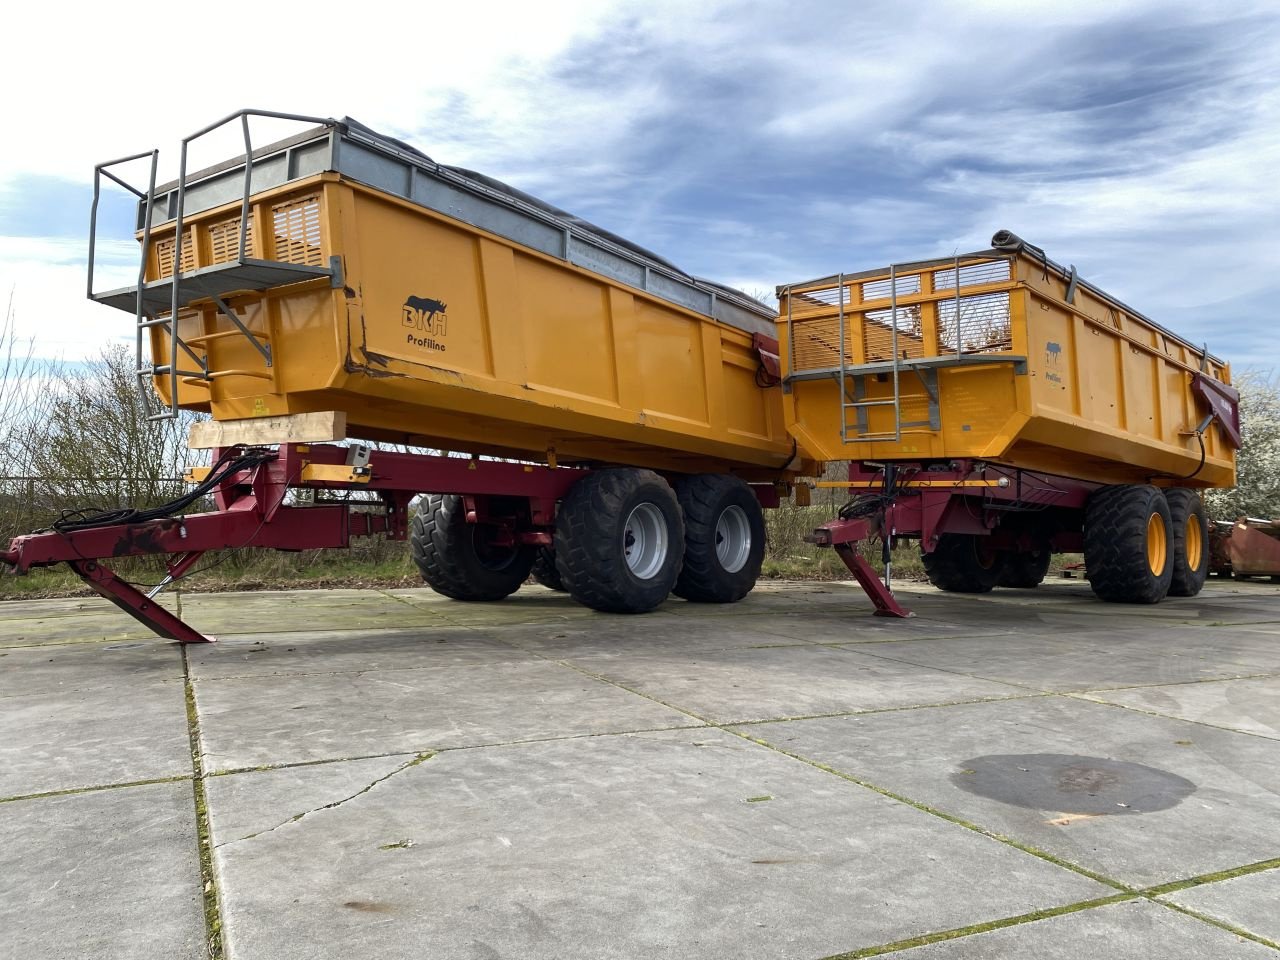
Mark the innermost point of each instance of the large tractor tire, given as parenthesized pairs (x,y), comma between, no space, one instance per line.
(1190,541)
(460,560)
(963,563)
(544,569)
(723,538)
(1024,569)
(1128,549)
(619,540)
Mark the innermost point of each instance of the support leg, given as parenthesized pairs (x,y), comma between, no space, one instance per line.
(136,604)
(885,602)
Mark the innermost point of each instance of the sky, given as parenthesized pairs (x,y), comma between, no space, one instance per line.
(751,143)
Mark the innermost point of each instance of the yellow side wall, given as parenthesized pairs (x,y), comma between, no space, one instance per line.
(530,353)
(1105,397)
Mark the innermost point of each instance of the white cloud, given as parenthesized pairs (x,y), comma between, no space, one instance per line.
(846,139)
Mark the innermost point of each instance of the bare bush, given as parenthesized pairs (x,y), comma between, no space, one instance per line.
(27,391)
(92,446)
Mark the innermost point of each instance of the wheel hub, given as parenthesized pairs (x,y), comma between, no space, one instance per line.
(645,541)
(733,539)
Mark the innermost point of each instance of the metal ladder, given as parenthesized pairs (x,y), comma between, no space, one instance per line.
(855,406)
(158,303)
(859,404)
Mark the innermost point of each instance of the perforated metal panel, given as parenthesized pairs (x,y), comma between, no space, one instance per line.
(224,241)
(164,256)
(297,231)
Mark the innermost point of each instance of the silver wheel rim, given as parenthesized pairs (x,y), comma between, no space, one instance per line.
(644,541)
(733,539)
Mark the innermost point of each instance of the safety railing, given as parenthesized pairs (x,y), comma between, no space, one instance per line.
(911,318)
(179,279)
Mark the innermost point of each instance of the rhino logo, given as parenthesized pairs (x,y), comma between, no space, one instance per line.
(425,315)
(1052,353)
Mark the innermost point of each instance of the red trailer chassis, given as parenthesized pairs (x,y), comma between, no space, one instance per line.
(1017,509)
(516,504)
(515,501)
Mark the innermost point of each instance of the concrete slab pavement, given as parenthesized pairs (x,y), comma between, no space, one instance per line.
(390,774)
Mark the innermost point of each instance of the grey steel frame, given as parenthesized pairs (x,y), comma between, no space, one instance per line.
(196,283)
(925,368)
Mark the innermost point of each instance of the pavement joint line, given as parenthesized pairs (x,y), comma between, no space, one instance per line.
(240,677)
(1028,686)
(866,784)
(267,768)
(83,643)
(1190,883)
(1215,922)
(214,943)
(1084,698)
(407,765)
(95,788)
(979,928)
(874,710)
(1180,683)
(943,815)
(924,639)
(925,666)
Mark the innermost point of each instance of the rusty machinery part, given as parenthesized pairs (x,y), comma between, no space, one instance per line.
(465,561)
(1190,530)
(619,540)
(723,538)
(963,563)
(1128,549)
(544,569)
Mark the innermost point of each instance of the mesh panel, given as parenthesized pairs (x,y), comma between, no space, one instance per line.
(984,325)
(877,330)
(881,289)
(817,344)
(297,231)
(973,275)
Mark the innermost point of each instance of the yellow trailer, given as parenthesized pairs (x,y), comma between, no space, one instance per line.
(998,355)
(437,307)
(1000,408)
(341,284)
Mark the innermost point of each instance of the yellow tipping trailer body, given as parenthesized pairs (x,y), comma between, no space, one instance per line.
(446,310)
(1042,371)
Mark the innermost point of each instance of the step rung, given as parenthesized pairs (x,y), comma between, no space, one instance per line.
(870,403)
(161,322)
(163,371)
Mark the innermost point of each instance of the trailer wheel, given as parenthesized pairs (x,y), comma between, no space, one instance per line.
(1024,569)
(1128,552)
(723,538)
(544,569)
(618,540)
(1190,541)
(460,559)
(963,563)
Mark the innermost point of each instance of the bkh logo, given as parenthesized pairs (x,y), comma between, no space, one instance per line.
(427,317)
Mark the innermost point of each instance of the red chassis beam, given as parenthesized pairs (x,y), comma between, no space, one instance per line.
(910,500)
(252,513)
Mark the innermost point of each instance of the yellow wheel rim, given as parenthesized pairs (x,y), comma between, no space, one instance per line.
(1157,544)
(1194,543)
